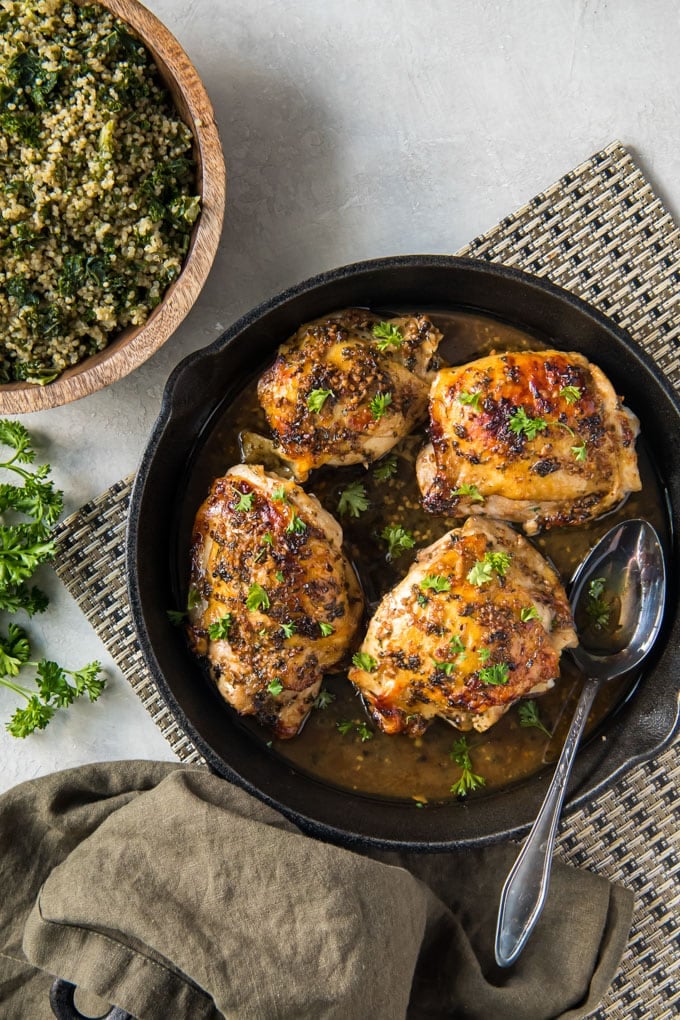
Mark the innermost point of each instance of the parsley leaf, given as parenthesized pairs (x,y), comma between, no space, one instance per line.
(490,564)
(398,540)
(386,469)
(379,405)
(434,582)
(529,717)
(468,779)
(353,500)
(296,526)
(288,629)
(345,726)
(326,629)
(219,630)
(257,598)
(596,607)
(580,451)
(245,500)
(444,667)
(317,398)
(387,334)
(323,699)
(571,394)
(456,645)
(362,660)
(521,424)
(279,494)
(14,650)
(472,400)
(275,687)
(469,490)
(496,675)
(527,613)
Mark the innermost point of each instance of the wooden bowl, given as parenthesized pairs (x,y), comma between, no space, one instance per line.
(135,344)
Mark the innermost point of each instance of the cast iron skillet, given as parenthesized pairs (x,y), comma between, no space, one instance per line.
(194,393)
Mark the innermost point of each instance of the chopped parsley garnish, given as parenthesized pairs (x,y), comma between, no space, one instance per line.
(296,526)
(275,687)
(456,645)
(324,699)
(529,717)
(398,540)
(267,538)
(472,400)
(421,599)
(288,629)
(175,616)
(317,398)
(326,629)
(387,335)
(444,667)
(245,500)
(571,394)
(521,424)
(257,598)
(363,731)
(596,607)
(484,654)
(279,576)
(497,674)
(279,494)
(580,452)
(527,613)
(386,469)
(468,780)
(379,404)
(353,500)
(362,660)
(469,490)
(220,629)
(435,582)
(484,569)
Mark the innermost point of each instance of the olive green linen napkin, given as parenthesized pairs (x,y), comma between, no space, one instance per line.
(175,895)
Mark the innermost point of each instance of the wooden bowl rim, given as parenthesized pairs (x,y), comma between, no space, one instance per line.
(134,345)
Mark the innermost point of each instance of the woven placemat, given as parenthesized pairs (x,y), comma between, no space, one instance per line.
(602,233)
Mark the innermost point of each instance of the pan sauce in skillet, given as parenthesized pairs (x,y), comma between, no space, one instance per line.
(398,766)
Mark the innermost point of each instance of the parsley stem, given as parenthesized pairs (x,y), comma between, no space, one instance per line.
(15,687)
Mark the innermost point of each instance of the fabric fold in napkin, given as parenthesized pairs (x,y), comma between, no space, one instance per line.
(169,892)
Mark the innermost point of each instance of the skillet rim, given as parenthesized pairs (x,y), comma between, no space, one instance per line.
(583,787)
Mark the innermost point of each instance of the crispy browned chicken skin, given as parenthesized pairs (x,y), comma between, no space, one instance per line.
(339,394)
(537,437)
(271,578)
(478,622)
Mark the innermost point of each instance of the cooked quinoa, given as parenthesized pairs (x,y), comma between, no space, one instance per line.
(97,185)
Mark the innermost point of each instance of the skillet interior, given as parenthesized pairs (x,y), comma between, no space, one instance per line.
(200,385)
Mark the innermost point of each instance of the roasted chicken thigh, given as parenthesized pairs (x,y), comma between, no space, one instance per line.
(275,603)
(478,622)
(344,389)
(537,437)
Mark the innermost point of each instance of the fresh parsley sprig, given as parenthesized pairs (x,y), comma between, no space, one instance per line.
(24,546)
(529,717)
(353,500)
(55,687)
(468,779)
(387,335)
(521,424)
(398,540)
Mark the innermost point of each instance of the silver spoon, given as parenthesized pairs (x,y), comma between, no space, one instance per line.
(628,565)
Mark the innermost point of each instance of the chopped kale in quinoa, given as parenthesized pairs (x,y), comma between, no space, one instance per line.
(97,184)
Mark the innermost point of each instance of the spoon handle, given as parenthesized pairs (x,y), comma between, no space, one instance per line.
(526,887)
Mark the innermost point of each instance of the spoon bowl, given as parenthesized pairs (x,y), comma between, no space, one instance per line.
(617,600)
